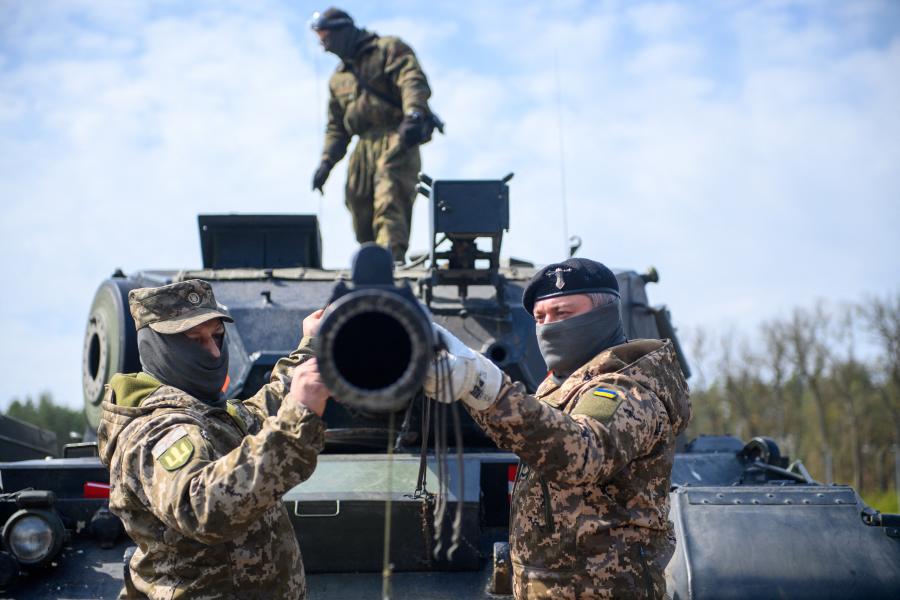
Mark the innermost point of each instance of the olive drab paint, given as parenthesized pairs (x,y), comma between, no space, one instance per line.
(589,512)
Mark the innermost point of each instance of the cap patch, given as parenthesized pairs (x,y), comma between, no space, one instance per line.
(194,298)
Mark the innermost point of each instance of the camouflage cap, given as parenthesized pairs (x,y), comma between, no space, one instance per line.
(176,307)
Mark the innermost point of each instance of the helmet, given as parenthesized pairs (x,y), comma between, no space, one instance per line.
(332,18)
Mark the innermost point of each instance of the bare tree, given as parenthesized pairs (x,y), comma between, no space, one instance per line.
(775,359)
(809,351)
(882,316)
(850,379)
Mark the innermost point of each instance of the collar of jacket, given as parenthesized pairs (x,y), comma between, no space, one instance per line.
(610,360)
(366,44)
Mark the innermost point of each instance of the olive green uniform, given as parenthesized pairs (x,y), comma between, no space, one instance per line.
(382,175)
(199,487)
(589,516)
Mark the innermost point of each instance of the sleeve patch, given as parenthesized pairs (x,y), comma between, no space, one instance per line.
(174,449)
(170,438)
(599,403)
(234,411)
(177,455)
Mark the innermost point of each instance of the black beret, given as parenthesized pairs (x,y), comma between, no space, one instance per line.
(573,276)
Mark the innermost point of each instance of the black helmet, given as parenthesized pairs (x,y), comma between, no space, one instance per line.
(332,18)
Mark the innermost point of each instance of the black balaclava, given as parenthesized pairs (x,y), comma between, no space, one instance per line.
(568,344)
(176,360)
(343,41)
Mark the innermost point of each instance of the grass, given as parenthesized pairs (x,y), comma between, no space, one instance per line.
(885,502)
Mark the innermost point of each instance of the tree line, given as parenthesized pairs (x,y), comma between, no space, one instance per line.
(823,382)
(67,424)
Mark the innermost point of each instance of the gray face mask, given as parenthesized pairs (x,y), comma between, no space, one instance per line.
(182,363)
(566,345)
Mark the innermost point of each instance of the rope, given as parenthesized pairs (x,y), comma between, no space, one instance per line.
(387,567)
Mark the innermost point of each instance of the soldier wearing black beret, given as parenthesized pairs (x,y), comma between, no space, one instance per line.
(589,516)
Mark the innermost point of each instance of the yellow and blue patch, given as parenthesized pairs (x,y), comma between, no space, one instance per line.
(599,403)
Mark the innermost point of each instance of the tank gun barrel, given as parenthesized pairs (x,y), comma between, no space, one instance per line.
(375,341)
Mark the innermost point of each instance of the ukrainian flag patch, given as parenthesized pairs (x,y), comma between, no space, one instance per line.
(599,403)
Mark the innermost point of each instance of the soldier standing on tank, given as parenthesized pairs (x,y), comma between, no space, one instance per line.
(197,481)
(378,93)
(589,512)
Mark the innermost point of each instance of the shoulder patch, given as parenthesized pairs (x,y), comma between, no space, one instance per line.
(599,403)
(234,410)
(174,450)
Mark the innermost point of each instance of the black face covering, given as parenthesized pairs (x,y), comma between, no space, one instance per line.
(182,363)
(343,41)
(568,344)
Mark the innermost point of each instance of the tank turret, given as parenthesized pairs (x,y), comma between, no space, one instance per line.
(749,522)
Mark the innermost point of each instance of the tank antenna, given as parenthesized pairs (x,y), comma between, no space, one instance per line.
(562,156)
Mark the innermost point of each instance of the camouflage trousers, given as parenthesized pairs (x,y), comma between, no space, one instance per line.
(381,188)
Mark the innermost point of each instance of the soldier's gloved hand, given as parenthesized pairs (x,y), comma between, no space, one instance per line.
(321,176)
(412,129)
(473,377)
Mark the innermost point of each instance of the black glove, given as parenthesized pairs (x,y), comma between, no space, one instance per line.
(413,130)
(321,175)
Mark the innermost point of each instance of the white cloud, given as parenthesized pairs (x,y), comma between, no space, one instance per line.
(748,151)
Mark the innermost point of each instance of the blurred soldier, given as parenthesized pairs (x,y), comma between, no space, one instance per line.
(198,481)
(589,515)
(380,94)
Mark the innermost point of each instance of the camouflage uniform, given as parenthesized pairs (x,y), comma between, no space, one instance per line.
(199,486)
(382,175)
(589,514)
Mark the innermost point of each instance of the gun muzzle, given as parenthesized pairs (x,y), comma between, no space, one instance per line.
(374,347)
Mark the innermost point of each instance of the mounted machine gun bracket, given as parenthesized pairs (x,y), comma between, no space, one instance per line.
(464,211)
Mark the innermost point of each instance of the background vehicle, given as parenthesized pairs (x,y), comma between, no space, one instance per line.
(749,523)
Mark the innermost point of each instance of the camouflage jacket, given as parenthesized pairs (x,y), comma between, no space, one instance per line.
(589,516)
(386,64)
(199,487)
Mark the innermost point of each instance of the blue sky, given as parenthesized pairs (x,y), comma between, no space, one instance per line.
(750,150)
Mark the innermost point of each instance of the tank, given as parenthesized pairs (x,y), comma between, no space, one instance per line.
(750,523)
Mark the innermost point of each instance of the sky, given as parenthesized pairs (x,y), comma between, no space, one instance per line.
(749,150)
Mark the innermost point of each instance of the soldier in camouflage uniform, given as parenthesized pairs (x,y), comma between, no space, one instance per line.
(198,481)
(589,515)
(380,94)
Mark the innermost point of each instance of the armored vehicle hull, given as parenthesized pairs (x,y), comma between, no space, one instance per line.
(748,524)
